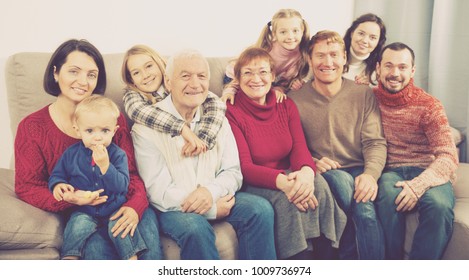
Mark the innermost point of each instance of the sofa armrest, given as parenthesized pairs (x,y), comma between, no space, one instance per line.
(24,226)
(461,187)
(458,137)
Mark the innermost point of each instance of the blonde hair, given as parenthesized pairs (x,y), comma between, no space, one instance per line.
(97,104)
(141,49)
(265,39)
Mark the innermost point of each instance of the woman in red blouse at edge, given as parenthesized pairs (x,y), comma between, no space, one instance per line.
(75,71)
(277,165)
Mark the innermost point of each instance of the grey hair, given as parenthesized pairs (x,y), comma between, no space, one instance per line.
(188,54)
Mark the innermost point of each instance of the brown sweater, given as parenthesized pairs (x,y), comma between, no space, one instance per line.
(418,134)
(345,128)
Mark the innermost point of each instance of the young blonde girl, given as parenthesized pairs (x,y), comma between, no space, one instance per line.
(143,71)
(285,37)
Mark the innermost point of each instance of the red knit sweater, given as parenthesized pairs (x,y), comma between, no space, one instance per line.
(38,146)
(418,134)
(270,139)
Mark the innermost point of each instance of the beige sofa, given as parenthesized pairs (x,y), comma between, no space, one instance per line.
(27,232)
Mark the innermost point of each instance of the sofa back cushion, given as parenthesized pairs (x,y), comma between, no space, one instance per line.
(25,71)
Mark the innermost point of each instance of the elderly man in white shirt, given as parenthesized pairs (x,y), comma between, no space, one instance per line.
(189,191)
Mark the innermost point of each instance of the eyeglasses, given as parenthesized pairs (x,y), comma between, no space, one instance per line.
(249,74)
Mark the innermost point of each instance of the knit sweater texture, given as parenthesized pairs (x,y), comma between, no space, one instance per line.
(345,127)
(270,139)
(39,144)
(418,134)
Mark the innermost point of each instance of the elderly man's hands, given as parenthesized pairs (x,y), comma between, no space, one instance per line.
(224,205)
(199,201)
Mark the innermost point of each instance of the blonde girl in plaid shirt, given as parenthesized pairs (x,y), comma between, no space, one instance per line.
(143,72)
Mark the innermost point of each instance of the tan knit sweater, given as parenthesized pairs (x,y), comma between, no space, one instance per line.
(418,134)
(346,127)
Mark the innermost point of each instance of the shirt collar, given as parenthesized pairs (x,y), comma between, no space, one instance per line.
(168,106)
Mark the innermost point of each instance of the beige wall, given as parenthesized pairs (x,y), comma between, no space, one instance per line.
(216,28)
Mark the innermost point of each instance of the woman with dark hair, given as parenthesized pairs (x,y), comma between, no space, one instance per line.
(76,71)
(364,40)
(59,58)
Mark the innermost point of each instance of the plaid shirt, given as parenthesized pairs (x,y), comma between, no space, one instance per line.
(141,111)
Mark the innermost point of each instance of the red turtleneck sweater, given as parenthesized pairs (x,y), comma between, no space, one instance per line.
(270,139)
(418,134)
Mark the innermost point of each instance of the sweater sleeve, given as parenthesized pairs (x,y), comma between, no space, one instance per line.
(372,138)
(136,196)
(59,173)
(300,155)
(146,114)
(253,174)
(438,133)
(31,168)
(117,176)
(211,120)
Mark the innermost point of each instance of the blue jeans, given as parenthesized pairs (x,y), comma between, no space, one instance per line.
(363,235)
(100,247)
(81,226)
(252,217)
(435,210)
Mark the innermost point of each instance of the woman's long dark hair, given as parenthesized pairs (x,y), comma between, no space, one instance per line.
(373,58)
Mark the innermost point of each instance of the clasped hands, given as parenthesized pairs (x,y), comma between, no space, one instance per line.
(298,186)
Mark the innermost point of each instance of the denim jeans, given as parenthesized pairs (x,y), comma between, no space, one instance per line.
(100,247)
(435,209)
(252,217)
(363,235)
(81,226)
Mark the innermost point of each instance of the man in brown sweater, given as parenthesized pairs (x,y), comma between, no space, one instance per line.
(421,163)
(342,125)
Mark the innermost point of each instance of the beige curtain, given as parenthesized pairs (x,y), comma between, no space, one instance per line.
(438,32)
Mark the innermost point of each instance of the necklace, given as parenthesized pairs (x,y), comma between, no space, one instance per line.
(60,121)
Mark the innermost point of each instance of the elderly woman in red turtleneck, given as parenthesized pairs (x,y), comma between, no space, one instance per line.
(277,165)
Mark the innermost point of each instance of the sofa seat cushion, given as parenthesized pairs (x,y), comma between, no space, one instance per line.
(24,226)
(30,254)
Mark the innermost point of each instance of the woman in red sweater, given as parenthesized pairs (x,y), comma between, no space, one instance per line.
(75,71)
(277,165)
